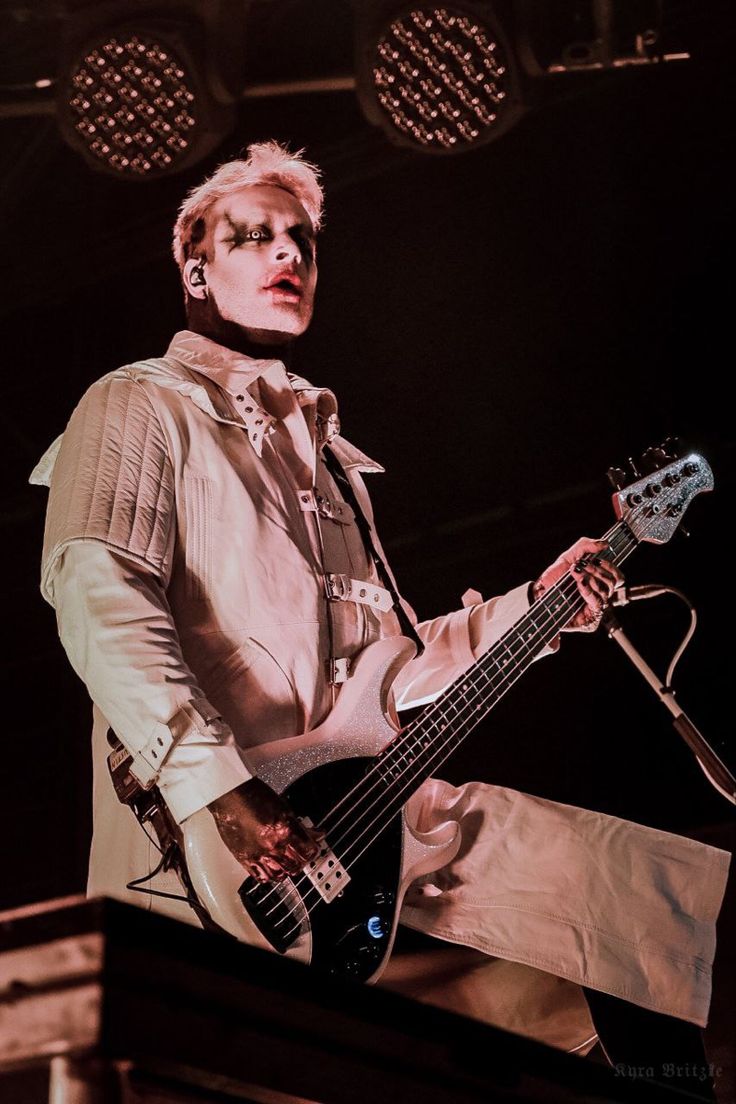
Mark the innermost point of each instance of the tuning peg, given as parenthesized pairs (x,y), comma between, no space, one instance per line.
(653,459)
(633,468)
(672,448)
(617,478)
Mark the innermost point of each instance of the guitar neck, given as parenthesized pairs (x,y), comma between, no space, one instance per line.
(431,738)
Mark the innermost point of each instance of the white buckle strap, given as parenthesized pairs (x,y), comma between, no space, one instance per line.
(341,588)
(258,421)
(148,760)
(339,670)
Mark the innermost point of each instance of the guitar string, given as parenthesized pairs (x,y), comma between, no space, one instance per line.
(435,710)
(456,736)
(405,736)
(488,687)
(522,654)
(445,749)
(619,533)
(343,848)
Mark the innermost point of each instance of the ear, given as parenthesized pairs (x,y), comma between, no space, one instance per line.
(194,277)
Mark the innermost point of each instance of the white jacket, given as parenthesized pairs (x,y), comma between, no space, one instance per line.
(181,556)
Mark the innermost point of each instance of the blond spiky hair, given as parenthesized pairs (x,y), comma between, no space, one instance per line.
(266,163)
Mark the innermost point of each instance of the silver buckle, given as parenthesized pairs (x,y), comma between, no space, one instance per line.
(337,587)
(339,671)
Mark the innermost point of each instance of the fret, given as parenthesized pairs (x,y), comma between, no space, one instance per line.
(530,631)
(465,689)
(490,665)
(450,705)
(395,760)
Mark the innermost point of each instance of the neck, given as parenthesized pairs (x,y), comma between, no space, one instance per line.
(266,346)
(203,317)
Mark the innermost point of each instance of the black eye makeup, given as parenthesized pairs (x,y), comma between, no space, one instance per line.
(305,240)
(241,233)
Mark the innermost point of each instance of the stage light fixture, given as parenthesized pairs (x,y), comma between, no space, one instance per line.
(438,78)
(133,102)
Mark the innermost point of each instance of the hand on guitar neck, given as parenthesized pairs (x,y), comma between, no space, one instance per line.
(261,831)
(596,579)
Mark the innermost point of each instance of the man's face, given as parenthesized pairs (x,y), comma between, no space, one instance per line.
(260,271)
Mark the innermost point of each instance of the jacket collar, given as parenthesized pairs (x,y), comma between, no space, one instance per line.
(233,372)
(193,364)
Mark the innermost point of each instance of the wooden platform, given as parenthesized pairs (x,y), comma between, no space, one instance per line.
(90,990)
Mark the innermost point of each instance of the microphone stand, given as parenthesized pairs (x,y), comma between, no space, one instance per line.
(714,768)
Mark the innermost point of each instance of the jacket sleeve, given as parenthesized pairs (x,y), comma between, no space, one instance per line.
(453,642)
(107,558)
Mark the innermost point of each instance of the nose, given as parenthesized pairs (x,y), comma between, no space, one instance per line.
(288,251)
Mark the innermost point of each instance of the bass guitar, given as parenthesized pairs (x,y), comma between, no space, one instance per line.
(356,775)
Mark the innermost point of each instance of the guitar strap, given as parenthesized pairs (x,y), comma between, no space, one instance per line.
(338,473)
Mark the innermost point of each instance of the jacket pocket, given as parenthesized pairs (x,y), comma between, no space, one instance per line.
(198,547)
(255,695)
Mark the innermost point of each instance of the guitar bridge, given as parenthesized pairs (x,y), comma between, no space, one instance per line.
(327,874)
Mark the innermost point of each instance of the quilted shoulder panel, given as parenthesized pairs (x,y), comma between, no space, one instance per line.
(113,480)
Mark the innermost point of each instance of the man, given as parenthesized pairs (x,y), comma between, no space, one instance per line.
(200,513)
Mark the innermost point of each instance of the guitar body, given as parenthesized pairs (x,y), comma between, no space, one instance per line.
(352,933)
(357,775)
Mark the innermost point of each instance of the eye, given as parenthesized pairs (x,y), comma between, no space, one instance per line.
(242,235)
(255,234)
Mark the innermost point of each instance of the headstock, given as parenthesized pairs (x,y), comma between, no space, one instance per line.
(664,486)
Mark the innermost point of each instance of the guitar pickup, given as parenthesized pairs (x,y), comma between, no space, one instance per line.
(327,874)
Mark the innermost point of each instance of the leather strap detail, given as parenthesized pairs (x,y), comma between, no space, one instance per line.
(341,588)
(339,670)
(364,526)
(334,510)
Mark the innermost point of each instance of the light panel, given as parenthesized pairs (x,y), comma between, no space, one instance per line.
(441,78)
(134,104)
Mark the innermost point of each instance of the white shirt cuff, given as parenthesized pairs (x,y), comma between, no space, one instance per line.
(198,770)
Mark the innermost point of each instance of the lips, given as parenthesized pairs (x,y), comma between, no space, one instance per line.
(285,286)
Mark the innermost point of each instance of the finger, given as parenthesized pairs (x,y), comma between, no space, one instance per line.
(586,546)
(601,586)
(271,868)
(593,611)
(306,838)
(605,569)
(606,573)
(293,860)
(588,588)
(593,618)
(256,871)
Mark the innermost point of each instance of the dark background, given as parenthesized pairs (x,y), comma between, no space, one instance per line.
(500,327)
